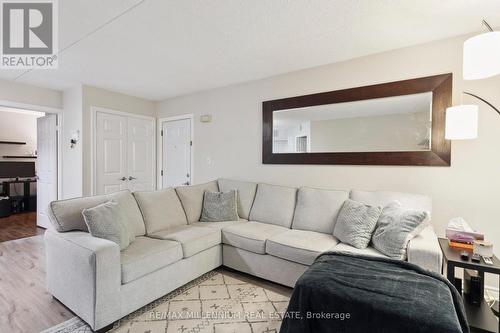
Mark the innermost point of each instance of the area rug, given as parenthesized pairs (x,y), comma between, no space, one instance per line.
(216,302)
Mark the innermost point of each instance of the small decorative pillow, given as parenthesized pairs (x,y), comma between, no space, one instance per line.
(219,206)
(396,226)
(355,223)
(108,221)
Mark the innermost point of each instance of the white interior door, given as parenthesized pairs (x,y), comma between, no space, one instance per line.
(176,151)
(124,147)
(110,153)
(140,154)
(46,168)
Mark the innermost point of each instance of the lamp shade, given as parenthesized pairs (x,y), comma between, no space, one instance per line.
(482,56)
(461,122)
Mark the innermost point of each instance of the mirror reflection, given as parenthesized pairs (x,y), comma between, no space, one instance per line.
(400,123)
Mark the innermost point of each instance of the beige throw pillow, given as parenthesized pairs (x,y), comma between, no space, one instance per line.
(108,221)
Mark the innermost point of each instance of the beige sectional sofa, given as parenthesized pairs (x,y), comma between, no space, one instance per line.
(280,232)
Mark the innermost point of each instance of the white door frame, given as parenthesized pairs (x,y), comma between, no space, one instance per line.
(93,111)
(160,145)
(45,109)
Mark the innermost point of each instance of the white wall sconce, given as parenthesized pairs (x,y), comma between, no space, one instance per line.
(75,137)
(481,60)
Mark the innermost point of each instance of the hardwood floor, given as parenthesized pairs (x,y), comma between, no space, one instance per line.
(19,226)
(25,305)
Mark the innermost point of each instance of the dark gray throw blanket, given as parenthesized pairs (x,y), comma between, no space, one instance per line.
(343,292)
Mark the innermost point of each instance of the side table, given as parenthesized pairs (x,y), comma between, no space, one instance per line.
(480,318)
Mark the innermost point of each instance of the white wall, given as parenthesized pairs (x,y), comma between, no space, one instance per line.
(28,94)
(233,141)
(17,126)
(107,99)
(72,158)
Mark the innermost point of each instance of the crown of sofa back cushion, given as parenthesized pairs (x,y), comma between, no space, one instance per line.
(274,205)
(382,198)
(192,198)
(66,215)
(246,194)
(160,209)
(317,209)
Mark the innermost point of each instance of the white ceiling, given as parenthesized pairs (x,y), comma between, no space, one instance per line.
(164,48)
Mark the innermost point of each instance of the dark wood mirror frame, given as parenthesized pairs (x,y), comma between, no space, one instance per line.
(439,155)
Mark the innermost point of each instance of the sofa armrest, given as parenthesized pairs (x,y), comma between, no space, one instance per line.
(424,250)
(84,273)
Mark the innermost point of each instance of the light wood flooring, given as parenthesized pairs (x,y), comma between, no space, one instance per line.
(25,305)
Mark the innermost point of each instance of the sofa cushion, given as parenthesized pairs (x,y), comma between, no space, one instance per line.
(218,225)
(317,209)
(251,236)
(161,209)
(66,215)
(382,198)
(369,251)
(109,222)
(146,255)
(246,194)
(274,205)
(193,239)
(192,198)
(299,245)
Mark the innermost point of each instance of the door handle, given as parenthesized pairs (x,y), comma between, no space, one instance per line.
(131,178)
(123,179)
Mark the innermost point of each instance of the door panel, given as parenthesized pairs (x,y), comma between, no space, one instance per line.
(124,153)
(111,153)
(112,188)
(176,153)
(112,165)
(46,167)
(140,154)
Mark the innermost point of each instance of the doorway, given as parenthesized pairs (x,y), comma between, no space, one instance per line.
(176,151)
(123,151)
(29,170)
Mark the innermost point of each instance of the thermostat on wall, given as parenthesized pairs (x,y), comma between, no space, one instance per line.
(206,118)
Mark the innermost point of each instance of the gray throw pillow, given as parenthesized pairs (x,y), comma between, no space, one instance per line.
(396,226)
(355,223)
(219,206)
(108,221)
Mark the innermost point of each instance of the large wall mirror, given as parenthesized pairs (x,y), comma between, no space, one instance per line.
(396,123)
